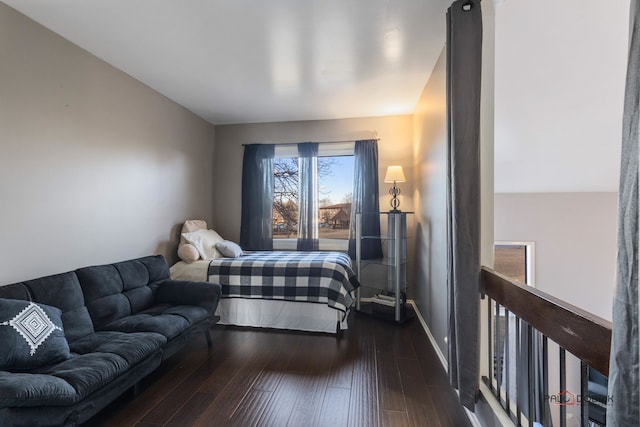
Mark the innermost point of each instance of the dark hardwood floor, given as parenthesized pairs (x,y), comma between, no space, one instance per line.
(377,374)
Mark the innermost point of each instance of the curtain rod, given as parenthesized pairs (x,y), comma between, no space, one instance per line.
(317,142)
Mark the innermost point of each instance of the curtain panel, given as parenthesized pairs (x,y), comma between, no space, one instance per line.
(308,197)
(464,61)
(366,199)
(256,228)
(624,366)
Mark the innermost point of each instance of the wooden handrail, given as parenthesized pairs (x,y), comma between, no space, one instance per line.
(585,335)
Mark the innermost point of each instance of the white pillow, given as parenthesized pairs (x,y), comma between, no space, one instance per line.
(229,249)
(205,242)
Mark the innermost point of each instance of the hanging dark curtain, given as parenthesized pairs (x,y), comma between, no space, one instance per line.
(464,60)
(624,365)
(530,356)
(366,199)
(308,196)
(256,228)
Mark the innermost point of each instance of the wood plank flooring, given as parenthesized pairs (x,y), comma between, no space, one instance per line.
(376,374)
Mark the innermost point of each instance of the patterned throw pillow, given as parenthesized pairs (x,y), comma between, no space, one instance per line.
(31,335)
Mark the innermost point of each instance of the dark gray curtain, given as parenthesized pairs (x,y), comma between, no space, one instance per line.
(366,199)
(464,59)
(532,359)
(308,197)
(256,228)
(624,369)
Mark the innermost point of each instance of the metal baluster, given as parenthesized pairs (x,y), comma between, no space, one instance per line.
(497,353)
(506,361)
(358,256)
(530,374)
(490,340)
(563,386)
(584,394)
(545,375)
(518,372)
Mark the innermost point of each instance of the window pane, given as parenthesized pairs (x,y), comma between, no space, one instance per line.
(285,198)
(511,260)
(335,183)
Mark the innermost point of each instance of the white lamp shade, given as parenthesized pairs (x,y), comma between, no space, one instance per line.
(394,174)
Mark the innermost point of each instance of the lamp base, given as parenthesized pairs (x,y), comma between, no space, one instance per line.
(394,202)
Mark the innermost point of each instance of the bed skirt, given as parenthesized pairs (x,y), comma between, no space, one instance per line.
(301,316)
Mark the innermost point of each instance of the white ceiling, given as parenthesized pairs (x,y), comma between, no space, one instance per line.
(558,93)
(241,61)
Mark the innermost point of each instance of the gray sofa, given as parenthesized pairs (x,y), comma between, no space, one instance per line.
(118,322)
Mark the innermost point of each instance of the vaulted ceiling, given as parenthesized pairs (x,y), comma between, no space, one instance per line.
(559,74)
(240,61)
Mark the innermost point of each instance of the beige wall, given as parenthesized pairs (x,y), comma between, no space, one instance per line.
(394,147)
(430,169)
(95,166)
(575,242)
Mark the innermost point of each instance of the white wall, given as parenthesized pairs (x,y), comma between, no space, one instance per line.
(560,68)
(95,167)
(575,243)
(575,255)
(559,84)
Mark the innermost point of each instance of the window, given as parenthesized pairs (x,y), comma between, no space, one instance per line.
(335,186)
(515,260)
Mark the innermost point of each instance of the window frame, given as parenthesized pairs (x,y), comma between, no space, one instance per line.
(333,149)
(530,250)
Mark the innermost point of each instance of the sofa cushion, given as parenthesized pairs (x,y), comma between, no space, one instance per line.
(64,291)
(15,291)
(31,335)
(164,319)
(186,292)
(157,267)
(133,347)
(102,287)
(98,359)
(115,291)
(89,372)
(18,389)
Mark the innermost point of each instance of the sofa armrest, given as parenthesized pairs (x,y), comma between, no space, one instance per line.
(183,292)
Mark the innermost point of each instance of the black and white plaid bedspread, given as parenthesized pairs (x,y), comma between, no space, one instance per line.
(319,277)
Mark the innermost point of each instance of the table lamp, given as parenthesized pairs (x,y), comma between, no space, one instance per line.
(394,175)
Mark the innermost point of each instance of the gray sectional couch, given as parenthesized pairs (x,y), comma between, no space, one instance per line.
(111,325)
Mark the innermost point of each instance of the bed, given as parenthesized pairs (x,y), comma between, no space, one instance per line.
(309,291)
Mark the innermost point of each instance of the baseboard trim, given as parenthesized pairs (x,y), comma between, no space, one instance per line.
(443,360)
(475,422)
(499,413)
(434,343)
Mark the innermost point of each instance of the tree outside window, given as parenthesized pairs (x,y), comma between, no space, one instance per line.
(335,179)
